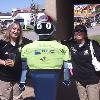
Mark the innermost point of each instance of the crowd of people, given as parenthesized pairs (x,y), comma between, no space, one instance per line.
(88,22)
(23,61)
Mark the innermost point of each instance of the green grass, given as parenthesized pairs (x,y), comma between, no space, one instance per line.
(95,37)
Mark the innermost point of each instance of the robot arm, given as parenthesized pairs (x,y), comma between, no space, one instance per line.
(69,65)
(23,76)
(67,72)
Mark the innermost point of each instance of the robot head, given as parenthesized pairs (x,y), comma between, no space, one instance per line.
(44,28)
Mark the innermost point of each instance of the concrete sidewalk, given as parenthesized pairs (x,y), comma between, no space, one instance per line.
(95,30)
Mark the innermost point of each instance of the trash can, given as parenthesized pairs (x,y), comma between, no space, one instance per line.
(45,84)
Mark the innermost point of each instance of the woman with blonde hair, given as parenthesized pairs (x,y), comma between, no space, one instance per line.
(7,35)
(10,62)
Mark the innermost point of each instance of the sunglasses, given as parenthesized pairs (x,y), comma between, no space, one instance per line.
(79,30)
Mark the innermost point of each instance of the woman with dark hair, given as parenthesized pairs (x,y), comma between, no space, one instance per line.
(10,62)
(84,72)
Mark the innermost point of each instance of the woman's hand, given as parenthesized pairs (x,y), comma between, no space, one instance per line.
(9,62)
(2,62)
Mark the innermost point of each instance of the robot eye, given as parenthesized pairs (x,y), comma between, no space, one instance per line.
(39,26)
(48,25)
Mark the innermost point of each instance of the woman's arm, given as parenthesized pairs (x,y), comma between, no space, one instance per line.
(96,47)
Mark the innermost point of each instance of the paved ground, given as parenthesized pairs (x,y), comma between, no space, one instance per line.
(94,31)
(33,36)
(91,31)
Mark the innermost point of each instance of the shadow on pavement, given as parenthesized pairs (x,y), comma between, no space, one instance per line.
(29,98)
(67,93)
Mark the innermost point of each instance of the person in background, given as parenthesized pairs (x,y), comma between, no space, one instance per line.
(84,72)
(10,62)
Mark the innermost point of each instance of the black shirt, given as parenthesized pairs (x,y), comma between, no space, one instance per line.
(11,73)
(84,71)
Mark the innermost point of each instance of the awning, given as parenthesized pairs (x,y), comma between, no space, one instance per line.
(18,17)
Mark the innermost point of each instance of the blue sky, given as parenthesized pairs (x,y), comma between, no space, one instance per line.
(8,5)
